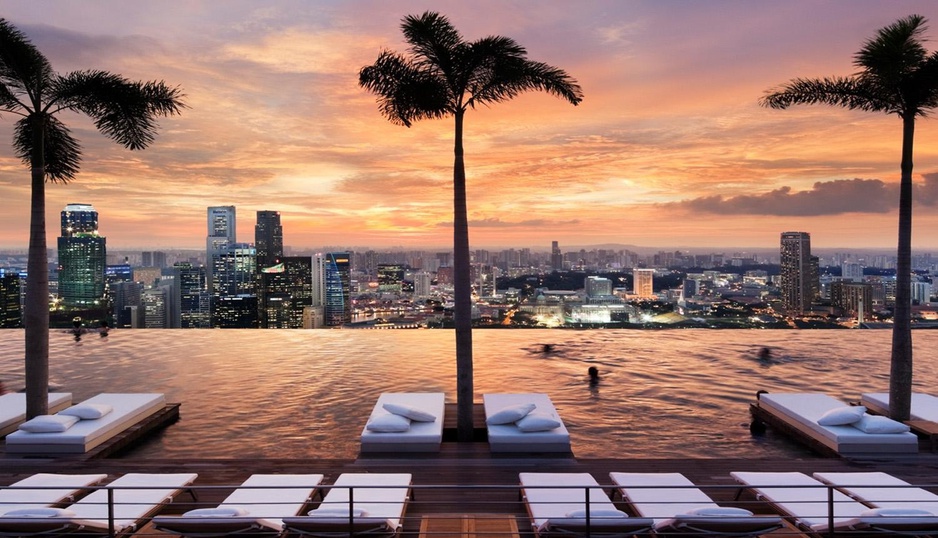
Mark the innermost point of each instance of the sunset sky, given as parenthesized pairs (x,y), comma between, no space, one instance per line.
(669,147)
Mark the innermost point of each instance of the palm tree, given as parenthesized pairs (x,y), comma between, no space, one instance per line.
(122,110)
(897,76)
(444,75)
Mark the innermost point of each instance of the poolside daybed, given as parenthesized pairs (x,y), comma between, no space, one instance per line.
(13,408)
(85,434)
(800,412)
(413,422)
(43,490)
(506,435)
(924,406)
(255,507)
(678,506)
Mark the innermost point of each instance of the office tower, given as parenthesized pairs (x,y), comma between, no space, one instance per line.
(796,273)
(597,286)
(556,257)
(268,239)
(390,277)
(921,292)
(288,289)
(153,259)
(154,304)
(689,289)
(852,271)
(233,270)
(221,235)
(235,312)
(194,298)
(82,257)
(854,298)
(118,273)
(422,284)
(644,282)
(125,295)
(332,286)
(11,314)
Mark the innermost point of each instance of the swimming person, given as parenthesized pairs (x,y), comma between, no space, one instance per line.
(765,354)
(594,375)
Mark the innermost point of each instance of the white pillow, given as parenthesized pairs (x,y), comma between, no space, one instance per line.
(388,423)
(841,416)
(48,424)
(336,512)
(605,514)
(510,414)
(40,512)
(878,424)
(537,422)
(412,413)
(719,511)
(87,411)
(896,512)
(229,511)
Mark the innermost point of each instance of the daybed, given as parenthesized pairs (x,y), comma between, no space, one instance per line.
(807,501)
(370,504)
(51,489)
(556,505)
(255,507)
(678,506)
(882,490)
(85,434)
(503,416)
(136,497)
(13,408)
(924,406)
(414,423)
(801,411)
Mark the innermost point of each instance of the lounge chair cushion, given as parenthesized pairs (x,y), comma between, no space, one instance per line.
(228,511)
(841,416)
(579,514)
(87,411)
(388,423)
(896,512)
(48,424)
(537,422)
(719,511)
(336,513)
(417,415)
(510,414)
(40,512)
(879,424)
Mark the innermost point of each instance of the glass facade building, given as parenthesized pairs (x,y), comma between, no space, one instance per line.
(82,258)
(332,281)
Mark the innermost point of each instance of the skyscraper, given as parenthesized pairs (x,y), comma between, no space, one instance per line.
(796,272)
(194,298)
(221,235)
(268,239)
(11,314)
(556,257)
(82,257)
(332,287)
(644,282)
(287,291)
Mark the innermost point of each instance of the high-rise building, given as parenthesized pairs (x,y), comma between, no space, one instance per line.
(332,286)
(235,312)
(153,259)
(796,273)
(287,291)
(221,235)
(82,258)
(852,271)
(556,256)
(390,277)
(596,286)
(194,298)
(644,282)
(268,239)
(11,313)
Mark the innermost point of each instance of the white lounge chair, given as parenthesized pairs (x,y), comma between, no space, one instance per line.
(924,406)
(507,437)
(136,497)
(370,504)
(13,408)
(808,502)
(127,410)
(801,411)
(422,435)
(678,506)
(557,505)
(43,490)
(888,493)
(258,506)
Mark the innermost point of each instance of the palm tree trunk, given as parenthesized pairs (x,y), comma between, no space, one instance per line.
(36,307)
(900,372)
(462,292)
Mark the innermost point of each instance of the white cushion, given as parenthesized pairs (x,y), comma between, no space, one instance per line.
(841,416)
(227,511)
(598,513)
(337,512)
(537,422)
(388,423)
(417,415)
(87,411)
(510,414)
(878,424)
(720,511)
(48,424)
(40,512)
(895,512)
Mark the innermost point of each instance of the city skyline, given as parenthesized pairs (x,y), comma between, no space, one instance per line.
(668,148)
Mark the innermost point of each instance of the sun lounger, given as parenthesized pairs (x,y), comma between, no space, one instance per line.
(420,431)
(509,437)
(800,413)
(678,506)
(136,497)
(924,406)
(884,491)
(127,410)
(258,506)
(557,506)
(370,504)
(807,501)
(13,408)
(43,490)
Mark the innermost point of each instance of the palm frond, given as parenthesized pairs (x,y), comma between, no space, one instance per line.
(895,51)
(122,110)
(61,151)
(405,92)
(432,40)
(849,93)
(23,69)
(921,87)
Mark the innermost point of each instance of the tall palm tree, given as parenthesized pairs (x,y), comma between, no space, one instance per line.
(897,76)
(122,110)
(444,75)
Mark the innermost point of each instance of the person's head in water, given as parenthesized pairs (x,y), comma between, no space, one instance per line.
(765,354)
(594,373)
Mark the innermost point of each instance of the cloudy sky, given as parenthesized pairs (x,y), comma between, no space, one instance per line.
(669,147)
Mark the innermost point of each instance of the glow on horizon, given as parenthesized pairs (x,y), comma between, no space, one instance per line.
(668,148)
